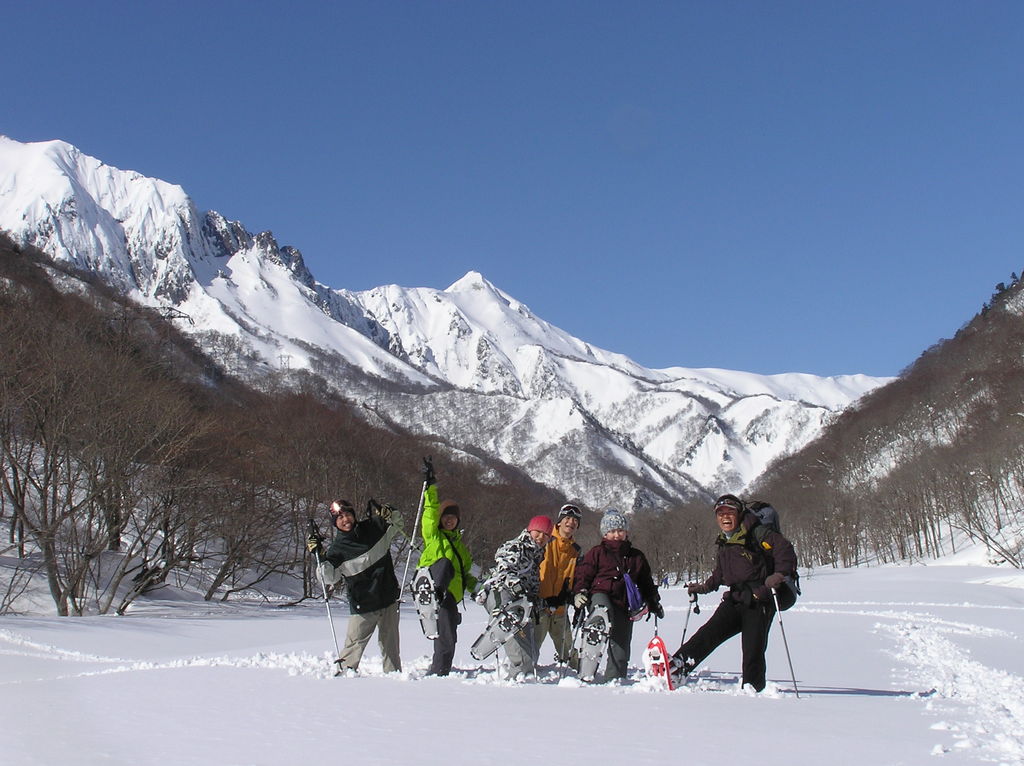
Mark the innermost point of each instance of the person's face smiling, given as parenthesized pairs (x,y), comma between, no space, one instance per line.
(344,518)
(728,519)
(567,527)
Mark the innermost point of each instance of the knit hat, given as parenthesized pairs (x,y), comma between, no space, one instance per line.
(540,524)
(450,508)
(613,520)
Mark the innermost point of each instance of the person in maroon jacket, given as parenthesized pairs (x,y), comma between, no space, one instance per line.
(600,580)
(752,564)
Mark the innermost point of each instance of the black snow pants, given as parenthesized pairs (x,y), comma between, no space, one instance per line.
(448,619)
(733,616)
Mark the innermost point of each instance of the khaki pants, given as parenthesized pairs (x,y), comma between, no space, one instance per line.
(556,624)
(361,627)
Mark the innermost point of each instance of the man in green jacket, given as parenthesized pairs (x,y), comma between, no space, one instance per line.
(449,563)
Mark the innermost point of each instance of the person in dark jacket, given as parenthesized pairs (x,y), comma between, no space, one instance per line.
(751,563)
(600,580)
(361,553)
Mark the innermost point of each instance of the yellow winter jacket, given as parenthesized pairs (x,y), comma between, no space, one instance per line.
(558,568)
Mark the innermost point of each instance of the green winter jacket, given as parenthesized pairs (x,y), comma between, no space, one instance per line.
(439,544)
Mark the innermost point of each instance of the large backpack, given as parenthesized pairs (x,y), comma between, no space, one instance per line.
(768,519)
(768,516)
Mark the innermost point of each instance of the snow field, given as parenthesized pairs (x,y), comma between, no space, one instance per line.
(896,665)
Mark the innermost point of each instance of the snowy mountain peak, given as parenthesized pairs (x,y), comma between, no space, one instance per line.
(470,364)
(472,280)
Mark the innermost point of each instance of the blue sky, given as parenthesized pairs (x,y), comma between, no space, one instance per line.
(824,187)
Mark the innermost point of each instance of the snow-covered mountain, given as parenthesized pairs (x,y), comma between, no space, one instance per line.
(469,364)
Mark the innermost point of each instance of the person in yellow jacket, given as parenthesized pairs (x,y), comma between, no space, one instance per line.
(556,579)
(449,562)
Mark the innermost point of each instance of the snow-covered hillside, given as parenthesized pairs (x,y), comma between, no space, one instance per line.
(905,665)
(469,364)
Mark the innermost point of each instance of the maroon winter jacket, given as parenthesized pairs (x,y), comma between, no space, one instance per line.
(602,567)
(743,568)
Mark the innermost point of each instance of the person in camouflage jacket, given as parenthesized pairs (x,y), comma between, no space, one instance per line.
(516,573)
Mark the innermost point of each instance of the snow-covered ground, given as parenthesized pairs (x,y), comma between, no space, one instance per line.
(895,665)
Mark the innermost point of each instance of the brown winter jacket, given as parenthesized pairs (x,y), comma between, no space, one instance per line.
(743,567)
(602,568)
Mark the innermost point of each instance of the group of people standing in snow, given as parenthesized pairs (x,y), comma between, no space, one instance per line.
(543,563)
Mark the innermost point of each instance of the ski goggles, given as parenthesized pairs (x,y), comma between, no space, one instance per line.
(727,505)
(569,510)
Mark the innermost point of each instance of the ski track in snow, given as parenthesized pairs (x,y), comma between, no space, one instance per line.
(990,701)
(951,626)
(993,699)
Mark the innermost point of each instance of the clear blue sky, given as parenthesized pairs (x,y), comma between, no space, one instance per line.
(815,186)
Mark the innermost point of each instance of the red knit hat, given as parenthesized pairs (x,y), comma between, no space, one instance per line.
(540,524)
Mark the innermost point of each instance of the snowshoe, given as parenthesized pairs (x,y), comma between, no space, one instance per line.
(595,632)
(505,621)
(678,669)
(427,604)
(656,662)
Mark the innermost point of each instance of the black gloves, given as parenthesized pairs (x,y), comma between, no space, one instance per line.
(657,610)
(773,581)
(383,512)
(696,587)
(428,472)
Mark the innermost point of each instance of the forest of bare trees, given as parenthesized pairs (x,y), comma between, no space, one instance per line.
(934,458)
(129,460)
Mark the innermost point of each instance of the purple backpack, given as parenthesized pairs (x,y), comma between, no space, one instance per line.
(635,602)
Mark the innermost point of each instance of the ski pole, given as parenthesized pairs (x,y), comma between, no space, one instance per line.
(563,655)
(785,643)
(327,601)
(694,609)
(415,526)
(533,649)
(577,626)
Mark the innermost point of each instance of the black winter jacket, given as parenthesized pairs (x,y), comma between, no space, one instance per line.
(744,562)
(375,586)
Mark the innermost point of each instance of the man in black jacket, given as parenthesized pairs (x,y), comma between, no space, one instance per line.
(361,553)
(752,563)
